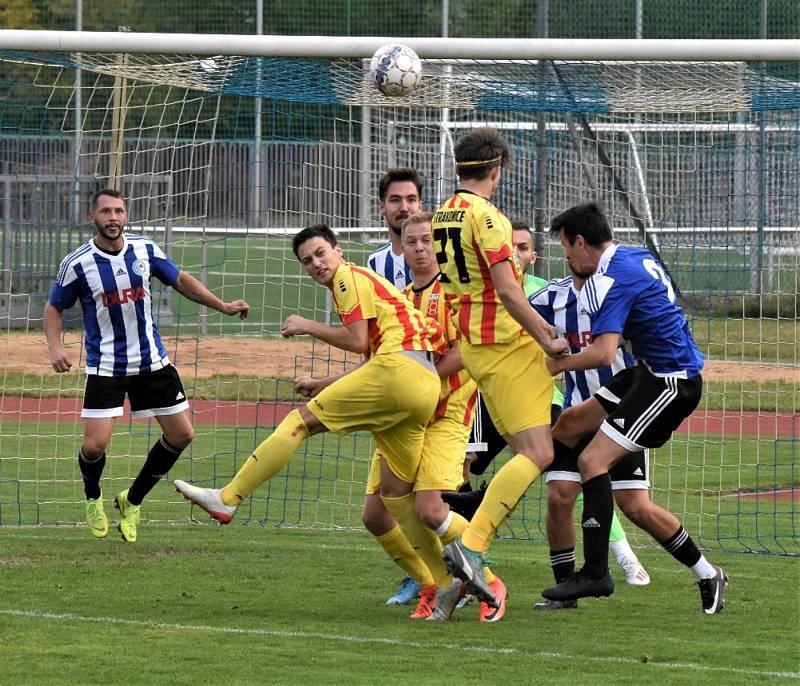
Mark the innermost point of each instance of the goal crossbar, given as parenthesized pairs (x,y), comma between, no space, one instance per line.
(675,50)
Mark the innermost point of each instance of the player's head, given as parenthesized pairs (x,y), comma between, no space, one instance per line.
(317,249)
(399,196)
(481,154)
(418,246)
(108,214)
(584,232)
(522,239)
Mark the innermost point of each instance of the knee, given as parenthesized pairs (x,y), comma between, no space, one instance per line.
(182,437)
(637,511)
(93,447)
(560,502)
(375,517)
(565,428)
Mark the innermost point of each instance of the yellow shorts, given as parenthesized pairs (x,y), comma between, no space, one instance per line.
(391,396)
(441,466)
(513,380)
(443,451)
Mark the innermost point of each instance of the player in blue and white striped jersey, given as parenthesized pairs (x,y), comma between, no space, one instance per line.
(399,196)
(627,295)
(111,277)
(558,304)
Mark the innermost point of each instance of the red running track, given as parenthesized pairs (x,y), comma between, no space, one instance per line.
(266,414)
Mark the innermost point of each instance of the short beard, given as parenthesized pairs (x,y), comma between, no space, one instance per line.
(102,231)
(582,275)
(396,232)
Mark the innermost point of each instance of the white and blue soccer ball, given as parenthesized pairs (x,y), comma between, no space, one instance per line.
(396,70)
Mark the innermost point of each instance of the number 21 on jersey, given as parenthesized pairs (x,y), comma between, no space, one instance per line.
(449,238)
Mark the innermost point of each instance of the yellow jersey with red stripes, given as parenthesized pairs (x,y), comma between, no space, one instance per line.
(459,392)
(394,324)
(471,235)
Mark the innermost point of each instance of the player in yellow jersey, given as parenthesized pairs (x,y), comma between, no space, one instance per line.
(380,323)
(502,340)
(448,432)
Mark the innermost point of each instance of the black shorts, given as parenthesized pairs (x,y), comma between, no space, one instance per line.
(644,409)
(485,441)
(632,471)
(151,394)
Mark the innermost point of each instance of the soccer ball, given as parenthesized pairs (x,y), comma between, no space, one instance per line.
(396,69)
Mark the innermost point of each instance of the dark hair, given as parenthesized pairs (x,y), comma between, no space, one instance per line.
(480,151)
(111,192)
(519,225)
(313,231)
(399,174)
(587,220)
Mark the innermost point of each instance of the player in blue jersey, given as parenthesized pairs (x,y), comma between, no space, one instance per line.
(111,276)
(557,303)
(399,196)
(627,296)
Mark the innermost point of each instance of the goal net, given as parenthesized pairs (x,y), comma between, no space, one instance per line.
(223,152)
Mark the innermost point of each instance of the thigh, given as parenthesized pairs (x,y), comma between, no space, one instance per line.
(535,443)
(514,381)
(632,472)
(442,458)
(157,394)
(401,448)
(565,465)
(104,396)
(386,391)
(374,474)
(97,433)
(651,409)
(579,420)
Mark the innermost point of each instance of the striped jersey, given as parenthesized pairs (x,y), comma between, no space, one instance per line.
(391,267)
(558,303)
(630,294)
(458,392)
(394,324)
(470,235)
(121,337)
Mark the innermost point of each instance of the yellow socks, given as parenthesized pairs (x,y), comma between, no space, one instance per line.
(419,536)
(402,553)
(504,492)
(451,528)
(267,460)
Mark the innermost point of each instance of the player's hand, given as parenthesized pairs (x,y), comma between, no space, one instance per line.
(552,366)
(557,347)
(239,307)
(307,387)
(60,360)
(293,326)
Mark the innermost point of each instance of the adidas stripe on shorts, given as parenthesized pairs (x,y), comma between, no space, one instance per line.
(151,394)
(644,409)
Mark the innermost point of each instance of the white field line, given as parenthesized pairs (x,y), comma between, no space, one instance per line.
(427,645)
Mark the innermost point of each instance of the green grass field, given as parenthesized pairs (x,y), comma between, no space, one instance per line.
(706,480)
(250,605)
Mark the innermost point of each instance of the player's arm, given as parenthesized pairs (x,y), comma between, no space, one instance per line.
(353,337)
(600,353)
(450,363)
(194,290)
(514,300)
(309,388)
(53,329)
